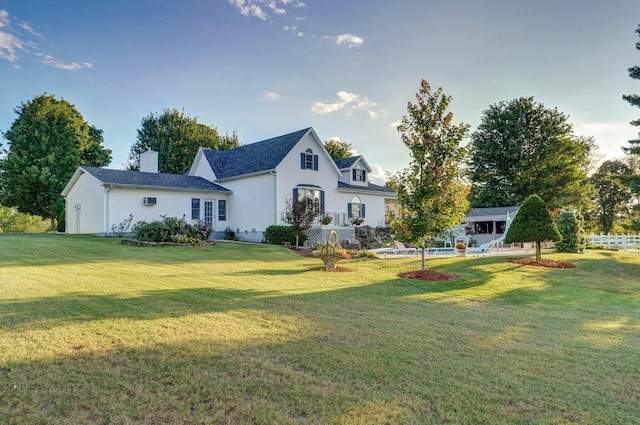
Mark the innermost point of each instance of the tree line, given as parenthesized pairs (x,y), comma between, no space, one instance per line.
(519,149)
(50,138)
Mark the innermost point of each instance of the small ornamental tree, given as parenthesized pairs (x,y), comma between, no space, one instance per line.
(431,195)
(533,223)
(300,213)
(571,227)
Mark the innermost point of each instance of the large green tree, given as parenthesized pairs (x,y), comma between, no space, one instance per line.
(533,223)
(176,137)
(338,149)
(431,195)
(633,180)
(521,148)
(47,142)
(612,197)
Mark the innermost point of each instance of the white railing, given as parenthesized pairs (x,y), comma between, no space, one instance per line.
(337,219)
(615,241)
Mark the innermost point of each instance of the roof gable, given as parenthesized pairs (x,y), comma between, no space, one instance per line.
(346,163)
(253,158)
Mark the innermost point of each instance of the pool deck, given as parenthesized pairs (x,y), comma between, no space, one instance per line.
(448,252)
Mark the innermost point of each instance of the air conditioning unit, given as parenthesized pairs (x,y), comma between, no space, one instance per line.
(149,200)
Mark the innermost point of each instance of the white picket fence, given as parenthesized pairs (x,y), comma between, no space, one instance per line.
(615,241)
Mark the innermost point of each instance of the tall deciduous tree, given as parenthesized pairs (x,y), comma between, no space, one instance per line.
(521,148)
(612,197)
(430,192)
(633,180)
(176,137)
(533,223)
(338,149)
(47,142)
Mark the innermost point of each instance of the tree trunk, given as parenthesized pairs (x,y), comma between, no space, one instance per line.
(538,255)
(424,266)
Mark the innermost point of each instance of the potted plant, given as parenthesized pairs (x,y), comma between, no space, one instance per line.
(326,219)
(356,221)
(461,249)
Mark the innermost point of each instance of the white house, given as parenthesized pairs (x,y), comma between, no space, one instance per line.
(245,189)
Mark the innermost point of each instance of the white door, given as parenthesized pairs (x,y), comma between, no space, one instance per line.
(209,216)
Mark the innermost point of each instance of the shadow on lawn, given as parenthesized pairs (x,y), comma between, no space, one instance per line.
(44,313)
(331,370)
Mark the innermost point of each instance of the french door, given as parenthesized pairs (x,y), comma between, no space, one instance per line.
(209,217)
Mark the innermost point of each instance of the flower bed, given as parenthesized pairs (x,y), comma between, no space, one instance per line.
(136,242)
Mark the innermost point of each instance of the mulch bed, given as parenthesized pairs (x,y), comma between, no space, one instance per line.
(552,264)
(428,275)
(135,242)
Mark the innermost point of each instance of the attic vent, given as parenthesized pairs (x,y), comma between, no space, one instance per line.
(149,200)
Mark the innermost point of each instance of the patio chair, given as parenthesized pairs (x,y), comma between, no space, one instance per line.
(400,249)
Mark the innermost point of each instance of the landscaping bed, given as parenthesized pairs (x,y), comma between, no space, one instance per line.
(135,242)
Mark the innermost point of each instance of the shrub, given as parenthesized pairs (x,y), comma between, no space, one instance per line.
(123,227)
(373,237)
(171,229)
(571,227)
(229,234)
(278,235)
(13,221)
(61,226)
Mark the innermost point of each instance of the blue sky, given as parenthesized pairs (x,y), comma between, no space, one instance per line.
(346,68)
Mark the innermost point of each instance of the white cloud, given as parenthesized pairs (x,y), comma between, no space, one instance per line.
(259,8)
(27,26)
(11,44)
(376,176)
(395,124)
(73,66)
(4,18)
(348,40)
(610,136)
(270,95)
(348,101)
(277,10)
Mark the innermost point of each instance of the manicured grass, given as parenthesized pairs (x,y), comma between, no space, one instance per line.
(92,331)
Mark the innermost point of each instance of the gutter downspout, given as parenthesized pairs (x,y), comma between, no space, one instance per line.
(106,209)
(275,197)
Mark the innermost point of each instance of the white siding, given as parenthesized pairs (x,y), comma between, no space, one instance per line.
(201,167)
(85,206)
(290,174)
(172,203)
(251,206)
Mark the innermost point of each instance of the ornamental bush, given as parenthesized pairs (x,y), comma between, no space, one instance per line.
(533,223)
(278,235)
(171,229)
(571,227)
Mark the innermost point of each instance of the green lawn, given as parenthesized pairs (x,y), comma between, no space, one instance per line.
(92,331)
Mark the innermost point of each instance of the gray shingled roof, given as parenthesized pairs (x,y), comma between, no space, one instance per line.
(254,157)
(497,211)
(159,180)
(346,162)
(369,188)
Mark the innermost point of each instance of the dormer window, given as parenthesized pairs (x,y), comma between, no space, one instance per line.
(359,175)
(308,161)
